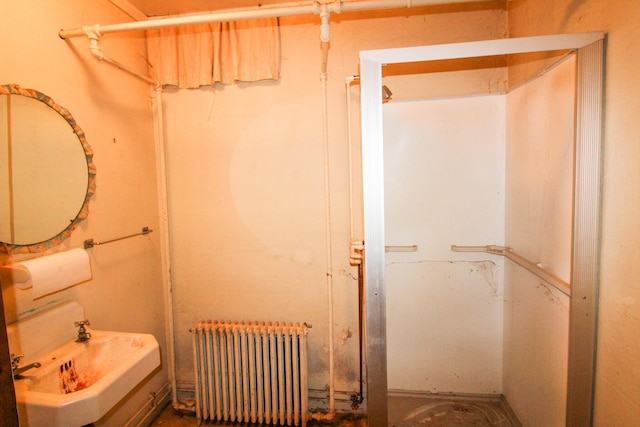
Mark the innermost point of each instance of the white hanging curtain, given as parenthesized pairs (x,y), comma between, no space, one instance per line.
(200,55)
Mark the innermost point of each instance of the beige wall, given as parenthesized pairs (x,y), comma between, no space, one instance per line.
(126,293)
(245,166)
(618,372)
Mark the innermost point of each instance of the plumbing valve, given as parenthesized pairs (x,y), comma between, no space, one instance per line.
(83,335)
(15,361)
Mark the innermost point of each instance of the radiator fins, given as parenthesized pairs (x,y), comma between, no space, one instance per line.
(251,372)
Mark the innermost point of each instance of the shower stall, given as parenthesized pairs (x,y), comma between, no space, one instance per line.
(461,191)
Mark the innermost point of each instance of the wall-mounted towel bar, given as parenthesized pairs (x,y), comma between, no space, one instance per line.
(412,248)
(548,277)
(89,243)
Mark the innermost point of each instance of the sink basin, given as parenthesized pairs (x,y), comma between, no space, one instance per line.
(79,382)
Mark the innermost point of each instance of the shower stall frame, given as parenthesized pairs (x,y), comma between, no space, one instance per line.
(585,269)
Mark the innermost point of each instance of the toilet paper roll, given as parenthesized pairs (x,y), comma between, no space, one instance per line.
(55,272)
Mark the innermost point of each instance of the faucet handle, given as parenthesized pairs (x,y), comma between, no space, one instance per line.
(83,335)
(82,322)
(15,360)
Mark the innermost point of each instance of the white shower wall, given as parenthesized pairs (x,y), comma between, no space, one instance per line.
(539,178)
(476,171)
(444,185)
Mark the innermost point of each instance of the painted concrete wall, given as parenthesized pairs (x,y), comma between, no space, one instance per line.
(617,391)
(539,176)
(246,184)
(444,185)
(126,292)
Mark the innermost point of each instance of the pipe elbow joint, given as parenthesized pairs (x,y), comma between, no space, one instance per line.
(93,34)
(95,50)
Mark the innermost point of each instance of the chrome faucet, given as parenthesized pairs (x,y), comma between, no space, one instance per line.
(15,361)
(83,335)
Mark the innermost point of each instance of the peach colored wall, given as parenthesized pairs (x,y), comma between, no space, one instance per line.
(617,394)
(126,292)
(246,184)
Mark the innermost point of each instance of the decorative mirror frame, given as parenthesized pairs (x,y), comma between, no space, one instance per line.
(9,248)
(585,271)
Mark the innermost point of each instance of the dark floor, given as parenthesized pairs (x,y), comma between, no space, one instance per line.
(404,411)
(171,418)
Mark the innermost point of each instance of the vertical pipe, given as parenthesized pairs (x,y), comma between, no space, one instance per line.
(324,38)
(354,247)
(165,247)
(348,81)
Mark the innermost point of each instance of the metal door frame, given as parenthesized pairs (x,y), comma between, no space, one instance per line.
(586,218)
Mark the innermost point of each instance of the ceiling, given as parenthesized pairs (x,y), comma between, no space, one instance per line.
(173,7)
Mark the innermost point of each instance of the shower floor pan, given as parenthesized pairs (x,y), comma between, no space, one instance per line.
(449,411)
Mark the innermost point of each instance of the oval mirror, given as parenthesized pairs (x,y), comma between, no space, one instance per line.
(46,171)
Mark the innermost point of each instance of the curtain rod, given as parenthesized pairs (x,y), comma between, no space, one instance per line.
(253,13)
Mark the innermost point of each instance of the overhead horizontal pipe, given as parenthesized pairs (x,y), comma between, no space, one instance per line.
(293,9)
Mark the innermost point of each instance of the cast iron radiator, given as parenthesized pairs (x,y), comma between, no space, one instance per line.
(251,372)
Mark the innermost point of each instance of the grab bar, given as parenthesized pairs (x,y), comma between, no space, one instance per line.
(89,243)
(405,248)
(534,268)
